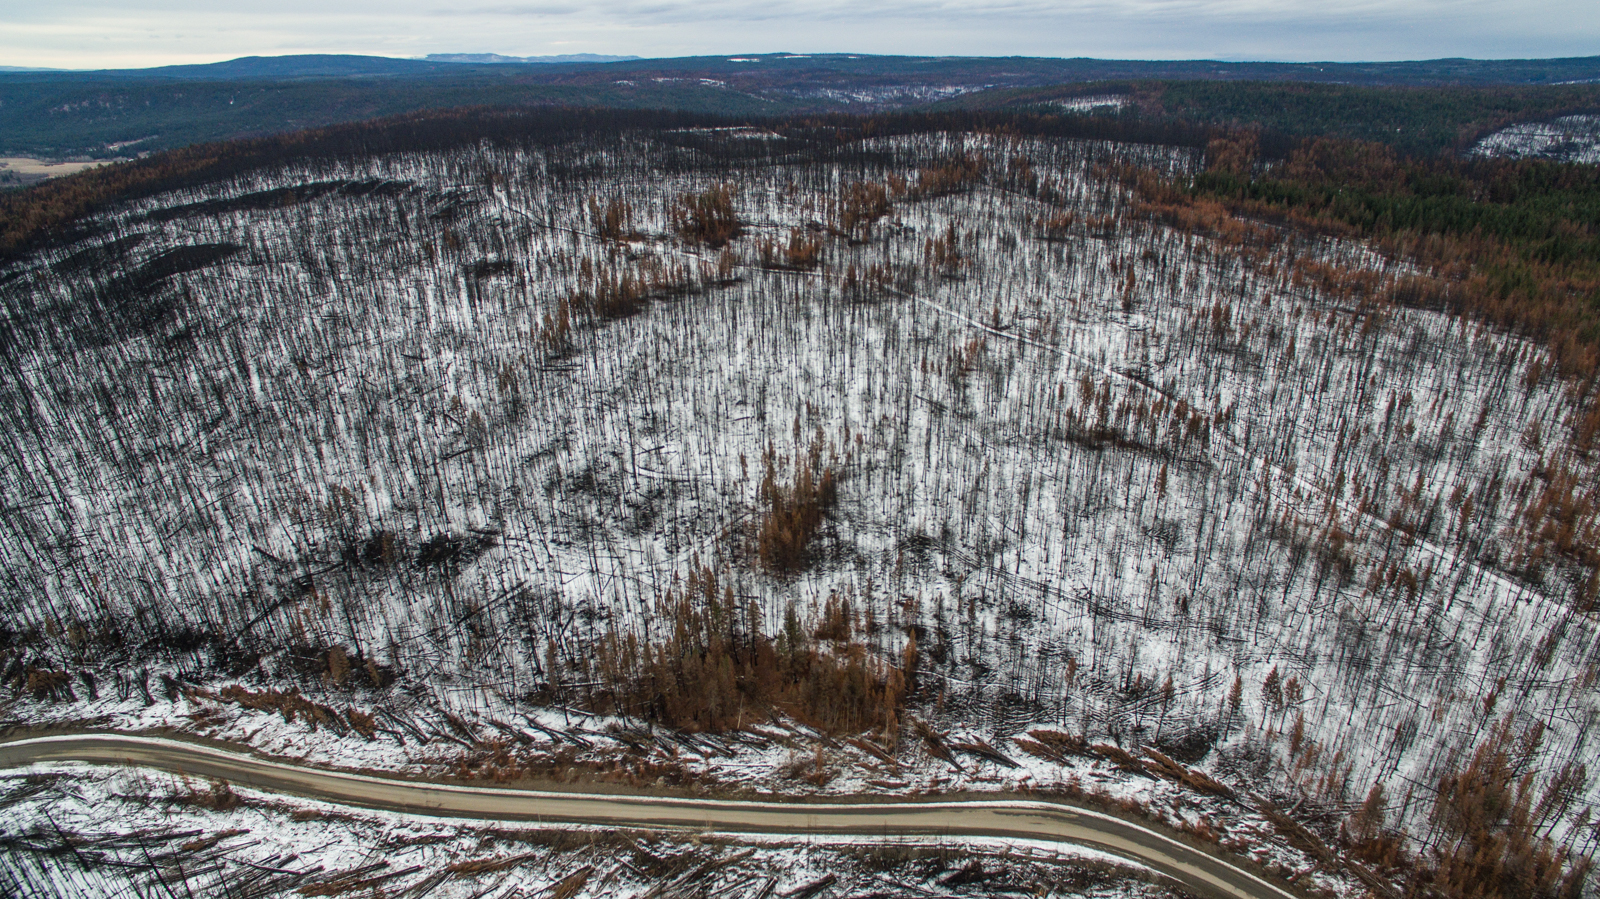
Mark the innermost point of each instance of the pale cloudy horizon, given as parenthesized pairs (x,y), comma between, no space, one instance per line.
(94,34)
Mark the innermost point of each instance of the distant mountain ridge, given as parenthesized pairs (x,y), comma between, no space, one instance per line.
(60,115)
(1008,71)
(265,67)
(497,59)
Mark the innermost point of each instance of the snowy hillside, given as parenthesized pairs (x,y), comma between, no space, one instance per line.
(1573,138)
(457,438)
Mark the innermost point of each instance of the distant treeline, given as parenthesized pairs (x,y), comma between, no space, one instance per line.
(1422,121)
(122,118)
(1419,107)
(1413,120)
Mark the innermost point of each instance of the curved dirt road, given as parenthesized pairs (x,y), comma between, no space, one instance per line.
(1197,870)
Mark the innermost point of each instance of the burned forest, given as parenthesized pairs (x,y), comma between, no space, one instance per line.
(814,458)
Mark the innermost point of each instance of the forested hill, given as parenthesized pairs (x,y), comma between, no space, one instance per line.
(769,67)
(1423,121)
(124,112)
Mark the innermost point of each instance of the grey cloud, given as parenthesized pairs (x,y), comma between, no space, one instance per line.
(523,9)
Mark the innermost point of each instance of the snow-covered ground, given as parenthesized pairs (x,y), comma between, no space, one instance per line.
(1103,470)
(886,96)
(89,832)
(1096,103)
(1569,139)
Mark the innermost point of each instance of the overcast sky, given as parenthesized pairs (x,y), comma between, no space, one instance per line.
(129,33)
